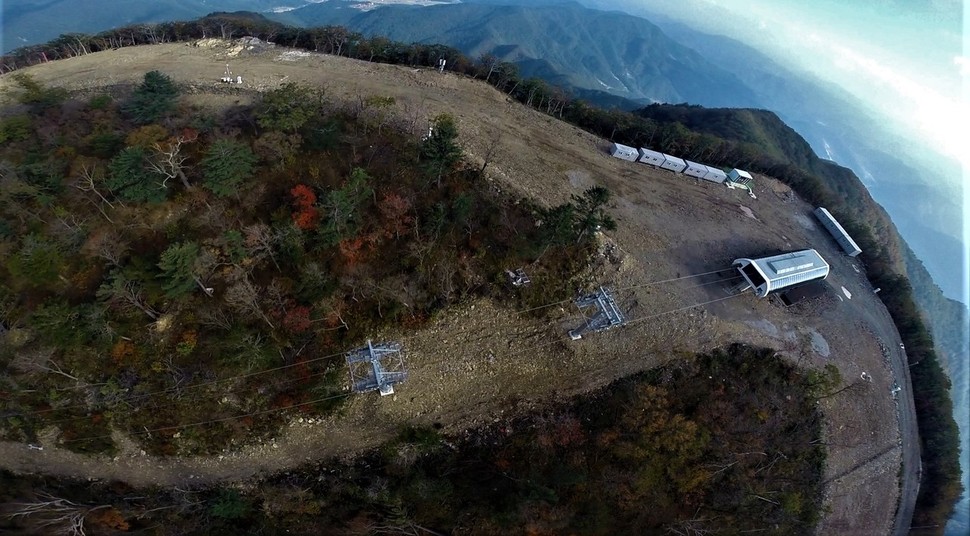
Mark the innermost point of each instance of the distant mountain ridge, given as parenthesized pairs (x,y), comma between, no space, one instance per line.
(27,22)
(566,44)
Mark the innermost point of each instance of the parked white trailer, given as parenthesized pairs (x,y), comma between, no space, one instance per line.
(698,171)
(651,157)
(673,164)
(740,176)
(715,175)
(835,229)
(624,152)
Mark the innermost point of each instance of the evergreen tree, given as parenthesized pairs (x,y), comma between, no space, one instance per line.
(342,207)
(227,164)
(286,109)
(178,268)
(590,215)
(130,178)
(153,99)
(440,150)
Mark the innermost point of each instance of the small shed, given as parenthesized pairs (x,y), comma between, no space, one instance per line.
(624,152)
(740,176)
(673,164)
(780,272)
(715,175)
(698,171)
(651,157)
(835,229)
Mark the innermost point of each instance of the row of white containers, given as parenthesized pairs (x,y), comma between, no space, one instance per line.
(678,165)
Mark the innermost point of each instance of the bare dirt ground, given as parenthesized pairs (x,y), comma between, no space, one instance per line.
(477,362)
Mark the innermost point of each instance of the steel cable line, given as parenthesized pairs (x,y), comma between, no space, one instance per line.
(333,397)
(331,356)
(625,288)
(316,359)
(84,417)
(149,431)
(200,384)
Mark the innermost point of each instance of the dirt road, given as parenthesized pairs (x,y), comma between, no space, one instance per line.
(478,362)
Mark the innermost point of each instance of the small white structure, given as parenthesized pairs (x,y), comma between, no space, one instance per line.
(740,176)
(624,152)
(652,158)
(835,229)
(673,163)
(698,171)
(715,175)
(771,274)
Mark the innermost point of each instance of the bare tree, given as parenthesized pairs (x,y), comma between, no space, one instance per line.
(126,294)
(58,516)
(215,317)
(169,160)
(87,182)
(110,246)
(243,296)
(261,241)
(489,63)
(491,148)
(40,361)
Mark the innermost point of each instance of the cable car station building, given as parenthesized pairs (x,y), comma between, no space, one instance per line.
(779,272)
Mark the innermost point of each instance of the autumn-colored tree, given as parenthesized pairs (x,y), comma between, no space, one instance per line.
(297,319)
(305,215)
(109,518)
(123,352)
(146,136)
(395,212)
(354,250)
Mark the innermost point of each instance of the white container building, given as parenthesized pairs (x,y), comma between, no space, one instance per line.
(740,176)
(715,175)
(698,171)
(673,164)
(651,157)
(771,274)
(835,229)
(624,152)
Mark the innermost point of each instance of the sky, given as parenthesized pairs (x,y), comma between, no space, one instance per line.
(906,59)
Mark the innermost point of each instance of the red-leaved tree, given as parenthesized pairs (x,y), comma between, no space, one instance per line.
(305,215)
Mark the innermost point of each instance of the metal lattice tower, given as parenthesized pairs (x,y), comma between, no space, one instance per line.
(376,367)
(608,314)
(518,278)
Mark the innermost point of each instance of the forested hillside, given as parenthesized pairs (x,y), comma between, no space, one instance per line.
(247,240)
(728,441)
